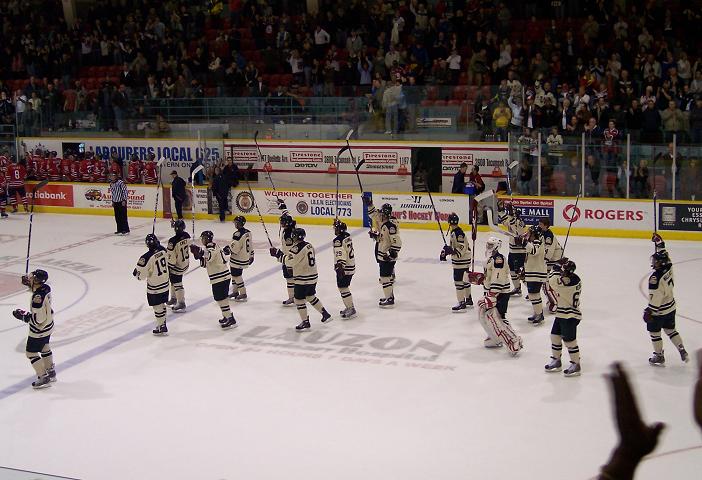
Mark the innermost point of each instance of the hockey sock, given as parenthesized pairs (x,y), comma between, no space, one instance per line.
(657,342)
(515,280)
(314,301)
(301,308)
(556,346)
(573,351)
(239,285)
(224,306)
(171,291)
(386,282)
(460,295)
(160,314)
(346,297)
(535,299)
(466,291)
(37,364)
(674,337)
(291,289)
(48,359)
(180,293)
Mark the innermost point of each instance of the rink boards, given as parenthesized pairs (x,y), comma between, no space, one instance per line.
(591,217)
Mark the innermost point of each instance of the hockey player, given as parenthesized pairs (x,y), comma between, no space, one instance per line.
(567,287)
(493,306)
(553,252)
(660,312)
(509,217)
(65,167)
(287,224)
(16,176)
(345,267)
(461,256)
(213,258)
(3,195)
(242,255)
(85,169)
(53,168)
(535,272)
(134,170)
(74,173)
(40,319)
(150,171)
(178,262)
(301,259)
(153,267)
(387,248)
(99,170)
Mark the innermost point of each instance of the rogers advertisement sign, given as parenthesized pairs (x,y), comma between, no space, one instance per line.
(606,214)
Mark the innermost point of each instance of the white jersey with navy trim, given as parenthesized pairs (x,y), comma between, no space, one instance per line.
(553,250)
(301,258)
(567,290)
(515,226)
(344,254)
(153,267)
(535,264)
(241,251)
(216,263)
(497,277)
(462,255)
(661,299)
(41,323)
(179,253)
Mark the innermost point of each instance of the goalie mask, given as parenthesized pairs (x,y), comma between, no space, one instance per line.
(493,245)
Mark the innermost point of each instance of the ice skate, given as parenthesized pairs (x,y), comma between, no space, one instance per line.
(573,370)
(657,360)
(171,301)
(51,373)
(41,382)
(160,331)
(536,319)
(489,343)
(469,301)
(554,365)
(290,302)
(683,355)
(326,316)
(4,215)
(227,323)
(233,294)
(459,307)
(241,298)
(179,308)
(303,326)
(348,313)
(387,302)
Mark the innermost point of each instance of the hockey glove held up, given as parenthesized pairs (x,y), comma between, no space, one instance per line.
(196,251)
(281,205)
(23,315)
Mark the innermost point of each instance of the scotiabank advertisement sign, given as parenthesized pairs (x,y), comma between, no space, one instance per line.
(614,215)
(53,195)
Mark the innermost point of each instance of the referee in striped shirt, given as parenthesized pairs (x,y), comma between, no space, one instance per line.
(118,191)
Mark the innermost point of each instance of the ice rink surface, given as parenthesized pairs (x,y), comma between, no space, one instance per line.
(408,393)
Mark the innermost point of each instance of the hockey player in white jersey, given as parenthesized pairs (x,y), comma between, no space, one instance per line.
(535,272)
(553,252)
(303,263)
(287,225)
(178,252)
(241,256)
(509,217)
(660,312)
(461,257)
(344,266)
(567,287)
(387,248)
(40,319)
(493,306)
(153,267)
(214,259)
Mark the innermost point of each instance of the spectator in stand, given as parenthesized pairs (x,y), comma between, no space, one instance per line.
(475,178)
(459,179)
(592,184)
(651,124)
(695,121)
(391,102)
(454,65)
(673,121)
(531,114)
(515,104)
(639,180)
(501,117)
(524,177)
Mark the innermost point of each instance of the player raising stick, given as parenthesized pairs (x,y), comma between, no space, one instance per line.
(178,263)
(153,267)
(345,267)
(509,217)
(287,224)
(301,259)
(461,257)
(553,252)
(214,259)
(496,284)
(535,272)
(387,248)
(242,255)
(660,312)
(40,319)
(567,288)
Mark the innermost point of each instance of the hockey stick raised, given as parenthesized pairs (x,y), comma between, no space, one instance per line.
(268,174)
(38,186)
(193,198)
(338,155)
(160,163)
(253,200)
(473,209)
(573,216)
(356,166)
(436,214)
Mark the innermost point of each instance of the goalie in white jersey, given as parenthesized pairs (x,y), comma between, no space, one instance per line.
(241,255)
(40,319)
(461,257)
(567,287)
(153,267)
(178,251)
(660,312)
(493,306)
(214,259)
(345,266)
(303,263)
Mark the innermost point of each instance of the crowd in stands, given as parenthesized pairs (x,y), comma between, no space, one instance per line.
(534,64)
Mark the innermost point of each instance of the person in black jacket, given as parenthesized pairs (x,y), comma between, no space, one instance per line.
(178,192)
(220,189)
(459,179)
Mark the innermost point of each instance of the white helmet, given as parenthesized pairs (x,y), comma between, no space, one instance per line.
(493,244)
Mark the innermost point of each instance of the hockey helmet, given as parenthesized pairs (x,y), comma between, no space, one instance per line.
(287,221)
(239,221)
(386,209)
(179,225)
(298,234)
(568,268)
(536,231)
(151,241)
(493,244)
(207,237)
(453,219)
(660,260)
(339,227)
(40,276)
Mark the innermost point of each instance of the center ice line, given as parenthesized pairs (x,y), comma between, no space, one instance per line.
(116,342)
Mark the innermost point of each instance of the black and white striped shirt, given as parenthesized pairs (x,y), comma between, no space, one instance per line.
(118,191)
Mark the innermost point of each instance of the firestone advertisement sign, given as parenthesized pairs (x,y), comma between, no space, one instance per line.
(492,162)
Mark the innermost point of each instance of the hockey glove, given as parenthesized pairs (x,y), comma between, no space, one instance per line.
(196,251)
(23,315)
(476,278)
(25,280)
(393,254)
(135,272)
(442,256)
(339,267)
(521,274)
(367,201)
(281,205)
(656,239)
(274,252)
(227,250)
(448,250)
(373,235)
(251,260)
(647,315)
